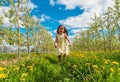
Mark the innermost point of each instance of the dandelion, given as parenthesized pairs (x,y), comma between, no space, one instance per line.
(28,58)
(2,69)
(102,67)
(30,67)
(112,70)
(71,53)
(98,72)
(106,61)
(74,66)
(95,66)
(81,55)
(118,69)
(115,63)
(22,79)
(2,75)
(87,64)
(24,74)
(15,68)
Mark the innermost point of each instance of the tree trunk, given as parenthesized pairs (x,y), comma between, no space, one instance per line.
(18,40)
(28,46)
(104,46)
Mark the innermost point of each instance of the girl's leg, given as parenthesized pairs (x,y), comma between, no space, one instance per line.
(59,58)
(64,56)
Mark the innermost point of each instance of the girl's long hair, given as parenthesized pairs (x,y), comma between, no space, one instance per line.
(65,30)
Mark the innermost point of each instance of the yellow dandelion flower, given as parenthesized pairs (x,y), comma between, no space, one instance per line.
(112,70)
(106,61)
(95,66)
(30,67)
(87,64)
(28,58)
(74,66)
(71,53)
(2,69)
(82,55)
(15,68)
(115,63)
(2,75)
(102,67)
(24,74)
(118,69)
(98,72)
(22,79)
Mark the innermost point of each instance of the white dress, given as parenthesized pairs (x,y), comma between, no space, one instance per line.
(62,45)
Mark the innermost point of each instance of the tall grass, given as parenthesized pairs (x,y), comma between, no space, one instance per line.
(77,67)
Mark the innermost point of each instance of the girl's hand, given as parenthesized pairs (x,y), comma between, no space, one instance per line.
(55,45)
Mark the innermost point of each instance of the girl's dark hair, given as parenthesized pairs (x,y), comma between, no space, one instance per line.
(65,30)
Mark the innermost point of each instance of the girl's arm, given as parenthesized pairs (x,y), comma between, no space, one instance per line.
(55,43)
(68,39)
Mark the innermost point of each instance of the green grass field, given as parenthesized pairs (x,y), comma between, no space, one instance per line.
(77,67)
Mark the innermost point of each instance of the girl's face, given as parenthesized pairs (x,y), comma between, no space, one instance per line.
(61,29)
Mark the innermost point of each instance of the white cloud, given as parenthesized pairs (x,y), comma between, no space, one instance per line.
(31,5)
(84,4)
(74,31)
(52,3)
(77,31)
(79,21)
(55,31)
(28,5)
(48,27)
(90,7)
(5,9)
(35,18)
(44,17)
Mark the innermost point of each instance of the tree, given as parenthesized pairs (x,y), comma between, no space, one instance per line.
(44,41)
(14,17)
(27,20)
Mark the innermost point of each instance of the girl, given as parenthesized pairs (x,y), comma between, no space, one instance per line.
(62,42)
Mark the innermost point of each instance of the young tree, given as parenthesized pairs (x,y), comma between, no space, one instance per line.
(27,20)
(15,18)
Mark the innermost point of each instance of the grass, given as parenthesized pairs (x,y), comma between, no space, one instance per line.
(77,67)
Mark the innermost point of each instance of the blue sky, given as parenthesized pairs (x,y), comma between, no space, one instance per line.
(73,14)
(54,14)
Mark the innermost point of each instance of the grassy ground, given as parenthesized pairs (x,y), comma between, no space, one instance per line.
(77,67)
